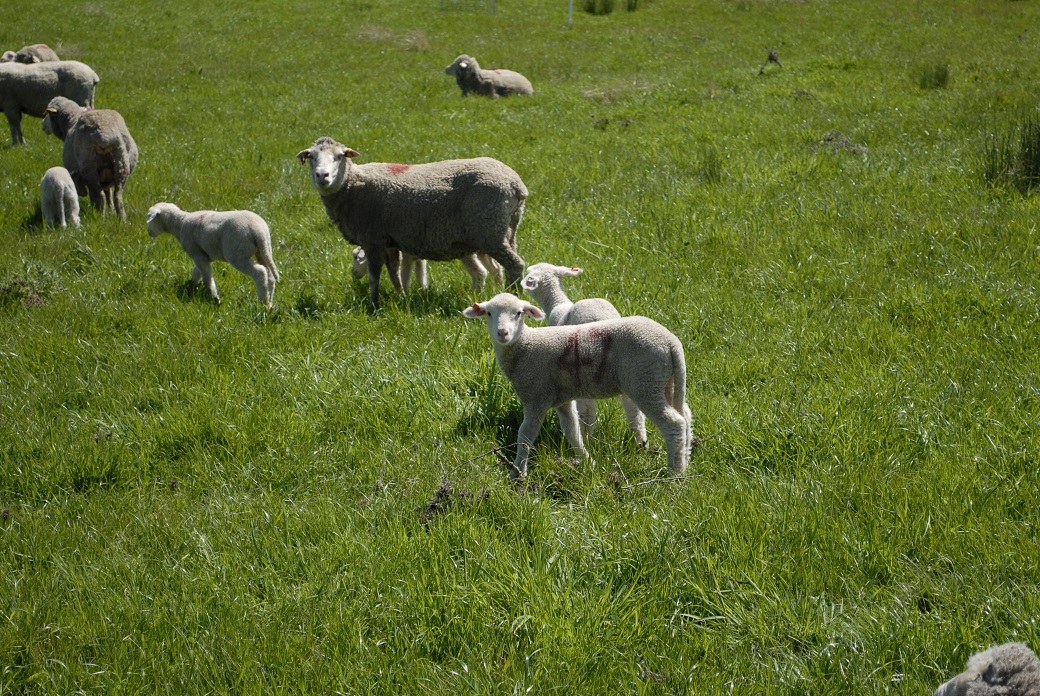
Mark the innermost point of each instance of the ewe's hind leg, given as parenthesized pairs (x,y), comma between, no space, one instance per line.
(97,198)
(491,265)
(636,419)
(511,263)
(117,201)
(476,270)
(568,415)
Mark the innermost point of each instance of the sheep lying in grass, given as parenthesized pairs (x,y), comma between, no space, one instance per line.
(58,198)
(34,53)
(99,151)
(28,89)
(476,265)
(550,367)
(544,282)
(1011,669)
(437,211)
(490,83)
(235,236)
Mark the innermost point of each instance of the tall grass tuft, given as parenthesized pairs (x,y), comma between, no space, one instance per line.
(1014,157)
(599,7)
(934,75)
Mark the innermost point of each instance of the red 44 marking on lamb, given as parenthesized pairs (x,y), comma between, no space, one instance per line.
(572,359)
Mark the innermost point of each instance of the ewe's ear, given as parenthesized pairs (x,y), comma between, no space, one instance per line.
(303,155)
(475,311)
(533,312)
(347,152)
(463,65)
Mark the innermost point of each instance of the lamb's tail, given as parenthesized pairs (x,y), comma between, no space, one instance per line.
(263,254)
(677,397)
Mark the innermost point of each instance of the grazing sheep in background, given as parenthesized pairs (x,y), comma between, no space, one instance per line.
(28,89)
(489,83)
(236,236)
(544,282)
(476,265)
(550,367)
(58,198)
(438,211)
(35,53)
(99,151)
(1011,669)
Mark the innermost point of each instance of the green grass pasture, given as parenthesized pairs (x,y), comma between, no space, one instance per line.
(202,498)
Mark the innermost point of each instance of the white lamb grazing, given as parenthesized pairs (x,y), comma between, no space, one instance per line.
(58,198)
(476,265)
(438,211)
(550,367)
(1011,669)
(544,282)
(235,236)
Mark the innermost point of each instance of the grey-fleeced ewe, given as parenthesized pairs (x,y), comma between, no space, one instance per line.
(58,198)
(1011,669)
(236,236)
(99,151)
(489,83)
(550,367)
(476,266)
(438,211)
(544,282)
(28,89)
(32,53)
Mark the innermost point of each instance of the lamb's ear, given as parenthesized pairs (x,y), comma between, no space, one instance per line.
(529,283)
(575,271)
(151,215)
(304,155)
(533,312)
(348,152)
(475,312)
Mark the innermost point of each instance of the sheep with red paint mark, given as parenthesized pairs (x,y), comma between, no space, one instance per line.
(550,367)
(489,83)
(240,237)
(544,282)
(476,266)
(438,211)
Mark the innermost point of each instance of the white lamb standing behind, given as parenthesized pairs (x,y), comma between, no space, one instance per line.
(550,367)
(235,236)
(58,198)
(544,282)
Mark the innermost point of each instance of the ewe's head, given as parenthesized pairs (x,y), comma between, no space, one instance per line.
(463,65)
(505,316)
(156,222)
(541,275)
(329,162)
(58,118)
(1011,669)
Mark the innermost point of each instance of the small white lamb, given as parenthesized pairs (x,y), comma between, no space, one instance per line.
(1011,669)
(58,198)
(476,265)
(550,367)
(235,236)
(544,282)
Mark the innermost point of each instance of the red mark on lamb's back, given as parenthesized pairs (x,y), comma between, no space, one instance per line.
(497,72)
(396,169)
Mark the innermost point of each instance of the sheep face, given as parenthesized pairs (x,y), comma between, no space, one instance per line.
(542,273)
(463,65)
(329,162)
(505,316)
(8,57)
(156,223)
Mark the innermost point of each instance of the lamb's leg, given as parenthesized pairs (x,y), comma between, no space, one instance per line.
(476,270)
(491,265)
(636,419)
(420,273)
(407,265)
(14,122)
(587,415)
(70,203)
(97,197)
(259,275)
(393,268)
(196,276)
(568,415)
(206,269)
(534,416)
(675,429)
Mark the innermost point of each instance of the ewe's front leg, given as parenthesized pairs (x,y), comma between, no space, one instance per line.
(376,258)
(14,121)
(533,418)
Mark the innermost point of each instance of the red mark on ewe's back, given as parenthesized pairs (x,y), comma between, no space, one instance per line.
(397,169)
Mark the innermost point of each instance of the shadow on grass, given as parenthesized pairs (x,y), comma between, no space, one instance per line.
(34,222)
